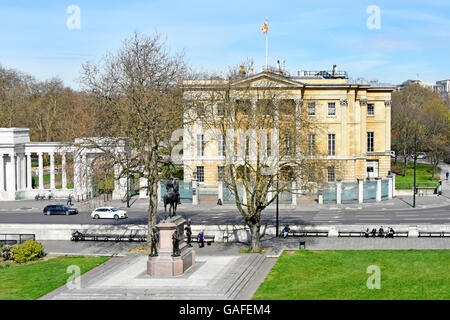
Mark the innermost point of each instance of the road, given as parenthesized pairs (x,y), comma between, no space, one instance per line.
(229,215)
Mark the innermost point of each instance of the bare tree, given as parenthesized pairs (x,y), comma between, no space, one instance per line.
(266,136)
(139,103)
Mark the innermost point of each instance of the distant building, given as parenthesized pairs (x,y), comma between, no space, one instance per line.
(443,88)
(356,119)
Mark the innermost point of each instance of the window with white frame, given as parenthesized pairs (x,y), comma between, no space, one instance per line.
(220,109)
(332,144)
(311,108)
(330,174)
(268,145)
(370,141)
(370,109)
(311,144)
(200,145)
(220,173)
(331,109)
(220,145)
(201,174)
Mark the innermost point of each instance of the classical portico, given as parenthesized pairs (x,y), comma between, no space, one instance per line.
(16,152)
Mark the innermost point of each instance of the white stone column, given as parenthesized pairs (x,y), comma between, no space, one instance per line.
(294,193)
(338,191)
(41,171)
(23,171)
(378,180)
(220,191)
(2,173)
(360,190)
(11,173)
(195,192)
(29,173)
(389,187)
(142,188)
(63,173)
(76,173)
(52,170)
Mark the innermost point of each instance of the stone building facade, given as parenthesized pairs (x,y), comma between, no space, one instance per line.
(356,117)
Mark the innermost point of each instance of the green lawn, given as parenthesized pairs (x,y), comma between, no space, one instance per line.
(423,175)
(33,280)
(329,275)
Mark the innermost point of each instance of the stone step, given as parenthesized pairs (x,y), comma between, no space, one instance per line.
(244,277)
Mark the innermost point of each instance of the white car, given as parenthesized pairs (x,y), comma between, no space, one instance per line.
(108,213)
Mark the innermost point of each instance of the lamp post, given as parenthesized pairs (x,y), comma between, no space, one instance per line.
(277,226)
(415,162)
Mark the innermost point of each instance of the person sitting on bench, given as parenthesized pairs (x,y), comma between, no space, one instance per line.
(391,233)
(374,232)
(381,232)
(366,234)
(286,231)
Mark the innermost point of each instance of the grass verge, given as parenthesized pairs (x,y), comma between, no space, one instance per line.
(333,275)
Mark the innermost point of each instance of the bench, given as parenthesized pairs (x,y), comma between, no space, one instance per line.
(207,238)
(15,238)
(434,234)
(305,233)
(363,234)
(139,237)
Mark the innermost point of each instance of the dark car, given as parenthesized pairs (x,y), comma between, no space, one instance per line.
(59,209)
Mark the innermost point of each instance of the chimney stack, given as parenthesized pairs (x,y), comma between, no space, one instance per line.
(251,71)
(241,71)
(278,66)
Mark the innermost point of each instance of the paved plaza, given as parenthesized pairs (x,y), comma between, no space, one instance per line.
(221,272)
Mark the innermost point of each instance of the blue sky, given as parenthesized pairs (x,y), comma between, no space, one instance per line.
(414,37)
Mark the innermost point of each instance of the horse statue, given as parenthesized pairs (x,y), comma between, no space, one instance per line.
(172,196)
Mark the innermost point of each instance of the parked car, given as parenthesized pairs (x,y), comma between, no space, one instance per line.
(392,154)
(108,213)
(59,209)
(420,155)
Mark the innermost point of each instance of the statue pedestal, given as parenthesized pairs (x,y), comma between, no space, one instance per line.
(164,265)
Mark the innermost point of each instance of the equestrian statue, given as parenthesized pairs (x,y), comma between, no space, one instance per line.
(172,196)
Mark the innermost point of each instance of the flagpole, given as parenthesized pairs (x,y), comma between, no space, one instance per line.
(266,51)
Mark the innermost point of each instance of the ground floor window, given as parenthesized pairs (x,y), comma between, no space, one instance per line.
(220,173)
(372,168)
(331,176)
(201,174)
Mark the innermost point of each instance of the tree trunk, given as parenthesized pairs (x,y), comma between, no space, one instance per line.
(152,206)
(405,170)
(255,244)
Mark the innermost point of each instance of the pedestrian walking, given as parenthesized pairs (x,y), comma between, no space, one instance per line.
(439,188)
(446,175)
(201,240)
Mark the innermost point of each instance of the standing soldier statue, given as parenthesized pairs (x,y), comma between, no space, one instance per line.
(175,242)
(188,232)
(154,240)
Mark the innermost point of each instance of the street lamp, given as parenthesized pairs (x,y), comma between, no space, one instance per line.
(267,172)
(415,162)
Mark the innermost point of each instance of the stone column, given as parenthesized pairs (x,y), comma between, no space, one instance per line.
(41,171)
(195,192)
(220,191)
(360,190)
(23,171)
(2,173)
(142,188)
(378,180)
(63,173)
(338,191)
(11,173)
(52,170)
(294,193)
(29,172)
(389,187)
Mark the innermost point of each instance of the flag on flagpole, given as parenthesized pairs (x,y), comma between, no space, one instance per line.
(265,28)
